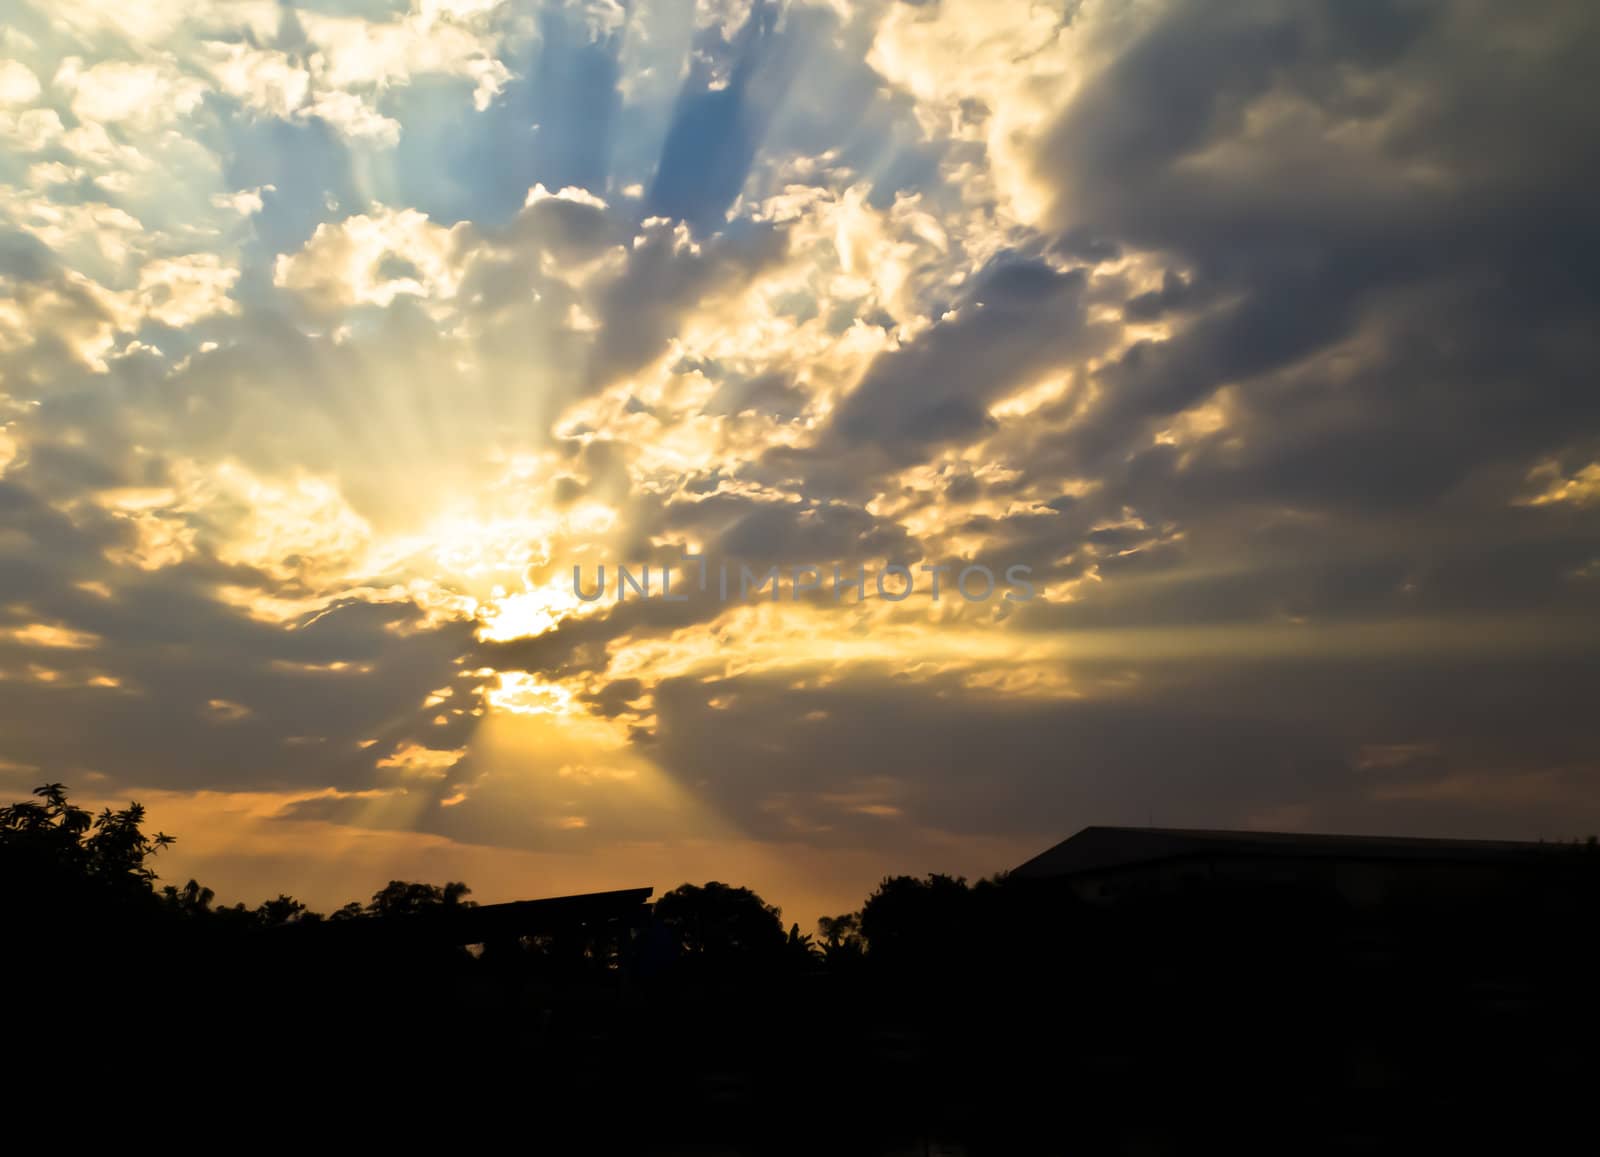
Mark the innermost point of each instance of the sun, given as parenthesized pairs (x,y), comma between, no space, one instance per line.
(509,567)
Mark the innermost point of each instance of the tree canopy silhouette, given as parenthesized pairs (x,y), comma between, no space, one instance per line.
(400,898)
(56,838)
(719,923)
(909,918)
(57,859)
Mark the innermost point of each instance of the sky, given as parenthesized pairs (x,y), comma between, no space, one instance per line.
(335,333)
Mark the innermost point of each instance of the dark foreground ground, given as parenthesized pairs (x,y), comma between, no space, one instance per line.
(1245,1023)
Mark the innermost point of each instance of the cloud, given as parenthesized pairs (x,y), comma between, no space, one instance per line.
(144,95)
(368,260)
(180,291)
(1021,319)
(18,84)
(330,341)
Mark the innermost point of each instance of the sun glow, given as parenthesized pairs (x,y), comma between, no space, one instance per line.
(523,694)
(501,564)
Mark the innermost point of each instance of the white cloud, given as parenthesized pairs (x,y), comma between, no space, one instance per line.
(570,193)
(264,79)
(440,40)
(30,130)
(179,291)
(353,118)
(996,74)
(297,530)
(87,235)
(153,21)
(18,85)
(246,202)
(370,260)
(144,94)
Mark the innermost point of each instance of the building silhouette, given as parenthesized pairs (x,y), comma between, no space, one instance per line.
(1112,865)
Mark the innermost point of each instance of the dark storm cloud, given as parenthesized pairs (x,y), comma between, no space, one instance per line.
(792,533)
(1341,172)
(1019,318)
(1195,744)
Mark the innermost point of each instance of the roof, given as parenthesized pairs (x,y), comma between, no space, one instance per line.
(529,917)
(1097,849)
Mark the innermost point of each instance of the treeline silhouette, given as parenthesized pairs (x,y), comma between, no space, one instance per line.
(997,1017)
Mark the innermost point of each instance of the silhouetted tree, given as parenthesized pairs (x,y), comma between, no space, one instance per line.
(840,936)
(908,919)
(721,923)
(802,947)
(56,839)
(400,898)
(283,910)
(192,899)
